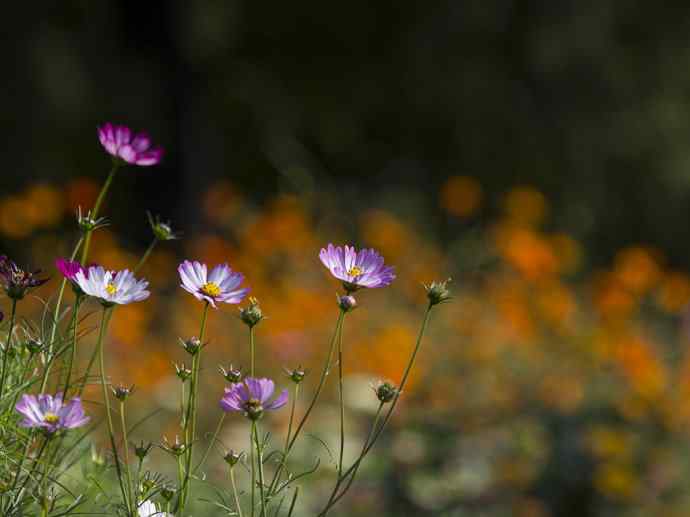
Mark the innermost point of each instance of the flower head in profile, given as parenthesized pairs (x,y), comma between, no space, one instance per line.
(364,268)
(50,414)
(162,230)
(222,284)
(149,509)
(69,269)
(120,142)
(112,287)
(15,281)
(251,397)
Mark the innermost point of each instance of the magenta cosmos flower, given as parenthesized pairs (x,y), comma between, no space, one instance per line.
(50,414)
(221,285)
(364,268)
(251,397)
(121,143)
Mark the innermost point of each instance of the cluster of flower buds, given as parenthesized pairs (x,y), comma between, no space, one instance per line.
(438,292)
(251,315)
(182,372)
(232,374)
(297,375)
(192,345)
(385,391)
(122,392)
(161,230)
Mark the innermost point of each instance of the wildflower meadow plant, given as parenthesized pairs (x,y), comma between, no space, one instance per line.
(44,436)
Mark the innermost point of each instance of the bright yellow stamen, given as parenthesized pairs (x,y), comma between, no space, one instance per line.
(51,418)
(355,271)
(111,289)
(210,289)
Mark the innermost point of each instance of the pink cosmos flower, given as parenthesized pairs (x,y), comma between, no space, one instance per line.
(251,397)
(50,413)
(119,142)
(364,268)
(221,285)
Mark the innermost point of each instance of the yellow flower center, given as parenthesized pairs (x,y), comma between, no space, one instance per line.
(111,289)
(355,271)
(210,289)
(51,418)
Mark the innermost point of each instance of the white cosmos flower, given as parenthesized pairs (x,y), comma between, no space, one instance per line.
(112,287)
(149,509)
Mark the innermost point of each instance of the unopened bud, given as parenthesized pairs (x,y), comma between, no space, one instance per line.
(297,375)
(347,302)
(385,391)
(232,458)
(232,375)
(438,292)
(192,345)
(252,314)
(122,392)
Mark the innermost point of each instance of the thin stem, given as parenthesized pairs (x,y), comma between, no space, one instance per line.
(292,416)
(73,355)
(355,466)
(29,473)
(126,454)
(251,460)
(260,464)
(214,437)
(294,500)
(145,256)
(234,492)
(319,388)
(190,421)
(97,208)
(106,400)
(342,402)
(251,350)
(56,316)
(6,352)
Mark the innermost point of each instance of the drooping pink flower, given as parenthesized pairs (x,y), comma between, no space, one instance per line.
(120,142)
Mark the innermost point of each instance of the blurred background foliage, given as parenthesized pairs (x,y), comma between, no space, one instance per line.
(534,151)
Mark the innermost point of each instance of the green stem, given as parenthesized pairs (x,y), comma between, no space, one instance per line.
(97,208)
(73,354)
(145,256)
(214,437)
(251,351)
(251,460)
(260,464)
(355,466)
(317,393)
(29,474)
(342,402)
(294,500)
(234,492)
(105,319)
(126,455)
(190,421)
(6,352)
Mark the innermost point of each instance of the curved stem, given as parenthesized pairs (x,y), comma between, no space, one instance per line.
(214,438)
(145,256)
(238,507)
(97,208)
(355,466)
(342,402)
(126,454)
(8,343)
(317,393)
(105,319)
(190,421)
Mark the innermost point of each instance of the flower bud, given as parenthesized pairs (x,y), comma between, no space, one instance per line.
(297,375)
(147,484)
(252,314)
(142,450)
(87,223)
(167,492)
(161,230)
(33,346)
(122,392)
(232,458)
(192,345)
(182,372)
(347,302)
(231,374)
(437,292)
(177,448)
(385,391)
